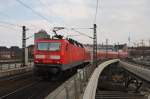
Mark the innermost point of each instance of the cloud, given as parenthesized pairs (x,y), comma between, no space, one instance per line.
(12,36)
(115,19)
(69,11)
(118,18)
(4,4)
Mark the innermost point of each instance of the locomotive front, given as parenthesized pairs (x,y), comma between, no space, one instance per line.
(47,56)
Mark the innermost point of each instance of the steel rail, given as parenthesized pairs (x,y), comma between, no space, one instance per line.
(17,90)
(139,72)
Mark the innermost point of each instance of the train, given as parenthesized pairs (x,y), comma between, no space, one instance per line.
(103,55)
(52,56)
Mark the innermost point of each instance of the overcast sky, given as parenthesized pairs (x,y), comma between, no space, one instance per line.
(116,19)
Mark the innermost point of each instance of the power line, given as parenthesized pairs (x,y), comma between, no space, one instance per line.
(4,14)
(82,33)
(8,27)
(47,8)
(8,23)
(12,24)
(77,32)
(35,12)
(74,29)
(31,36)
(15,25)
(81,28)
(95,16)
(51,11)
(43,4)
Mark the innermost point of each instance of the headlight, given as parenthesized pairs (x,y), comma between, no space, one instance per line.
(39,56)
(55,57)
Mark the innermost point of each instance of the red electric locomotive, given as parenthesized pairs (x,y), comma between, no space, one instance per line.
(56,55)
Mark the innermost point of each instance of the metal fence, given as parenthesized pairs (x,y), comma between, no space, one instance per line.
(13,64)
(74,87)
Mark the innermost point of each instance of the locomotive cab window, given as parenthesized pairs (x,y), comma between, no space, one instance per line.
(42,46)
(51,46)
(54,46)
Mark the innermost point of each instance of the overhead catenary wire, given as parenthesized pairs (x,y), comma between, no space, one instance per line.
(48,9)
(81,28)
(12,24)
(95,18)
(15,25)
(52,12)
(31,36)
(82,33)
(74,29)
(44,5)
(4,14)
(4,26)
(76,32)
(46,19)
(96,10)
(35,12)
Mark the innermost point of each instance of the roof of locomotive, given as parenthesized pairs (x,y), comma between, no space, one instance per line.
(71,41)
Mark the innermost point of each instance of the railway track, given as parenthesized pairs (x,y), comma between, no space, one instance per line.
(110,88)
(34,90)
(138,63)
(118,95)
(27,87)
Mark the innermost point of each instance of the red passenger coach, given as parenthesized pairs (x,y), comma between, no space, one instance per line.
(57,55)
(111,55)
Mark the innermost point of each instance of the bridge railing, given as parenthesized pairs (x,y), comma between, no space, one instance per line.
(90,90)
(74,87)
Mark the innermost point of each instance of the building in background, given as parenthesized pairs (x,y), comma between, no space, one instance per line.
(41,34)
(139,51)
(102,47)
(31,51)
(4,53)
(14,52)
